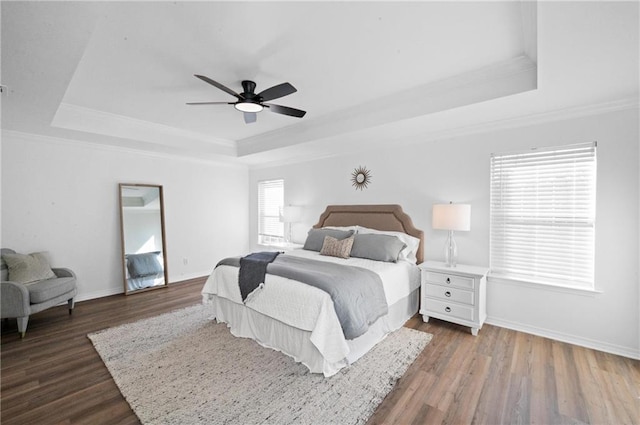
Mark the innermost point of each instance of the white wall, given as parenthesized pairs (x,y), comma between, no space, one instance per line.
(420,174)
(62,197)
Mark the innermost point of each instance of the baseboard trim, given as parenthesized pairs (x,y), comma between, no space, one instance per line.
(197,278)
(99,294)
(562,337)
(185,277)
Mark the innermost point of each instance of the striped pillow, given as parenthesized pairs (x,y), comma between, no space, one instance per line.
(337,248)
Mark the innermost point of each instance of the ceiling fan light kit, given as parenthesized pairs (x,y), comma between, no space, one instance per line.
(250,103)
(248,106)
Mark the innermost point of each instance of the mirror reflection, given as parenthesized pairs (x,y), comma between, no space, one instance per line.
(142,224)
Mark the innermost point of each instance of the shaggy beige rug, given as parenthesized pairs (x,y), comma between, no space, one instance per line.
(183,368)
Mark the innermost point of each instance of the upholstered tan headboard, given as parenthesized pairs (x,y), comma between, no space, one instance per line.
(380,217)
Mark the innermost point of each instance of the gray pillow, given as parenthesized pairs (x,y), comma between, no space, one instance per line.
(146,264)
(315,237)
(29,268)
(377,247)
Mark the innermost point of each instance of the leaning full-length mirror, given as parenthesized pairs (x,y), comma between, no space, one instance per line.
(143,240)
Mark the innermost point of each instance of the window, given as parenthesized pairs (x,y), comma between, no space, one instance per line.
(270,201)
(543,215)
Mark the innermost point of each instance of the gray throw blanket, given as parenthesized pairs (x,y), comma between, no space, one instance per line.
(357,293)
(253,269)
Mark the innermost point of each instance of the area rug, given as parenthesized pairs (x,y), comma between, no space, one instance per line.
(184,368)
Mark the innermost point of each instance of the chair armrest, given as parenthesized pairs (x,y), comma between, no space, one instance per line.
(14,300)
(64,272)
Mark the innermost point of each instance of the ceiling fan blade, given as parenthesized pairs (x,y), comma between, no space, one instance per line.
(249,117)
(275,92)
(285,110)
(218,85)
(209,103)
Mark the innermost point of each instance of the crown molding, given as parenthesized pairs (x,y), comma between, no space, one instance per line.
(562,114)
(80,118)
(40,138)
(505,78)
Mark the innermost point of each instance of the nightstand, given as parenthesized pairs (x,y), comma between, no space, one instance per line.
(455,294)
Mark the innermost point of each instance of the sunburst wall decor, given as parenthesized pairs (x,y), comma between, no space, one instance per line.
(360,178)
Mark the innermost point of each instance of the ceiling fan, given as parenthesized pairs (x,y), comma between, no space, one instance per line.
(250,103)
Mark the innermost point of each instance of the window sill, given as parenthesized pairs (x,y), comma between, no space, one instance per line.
(542,286)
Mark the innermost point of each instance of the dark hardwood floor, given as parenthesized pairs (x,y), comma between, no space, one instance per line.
(54,376)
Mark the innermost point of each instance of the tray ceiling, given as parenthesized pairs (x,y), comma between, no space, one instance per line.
(367,72)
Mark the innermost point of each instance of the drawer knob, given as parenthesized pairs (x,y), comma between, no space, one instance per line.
(447,309)
(447,294)
(448,280)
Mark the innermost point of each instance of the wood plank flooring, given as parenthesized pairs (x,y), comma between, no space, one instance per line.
(54,376)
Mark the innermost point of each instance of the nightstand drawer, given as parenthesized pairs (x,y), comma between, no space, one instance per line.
(449,309)
(449,280)
(449,293)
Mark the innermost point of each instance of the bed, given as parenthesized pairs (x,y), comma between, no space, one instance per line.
(303,321)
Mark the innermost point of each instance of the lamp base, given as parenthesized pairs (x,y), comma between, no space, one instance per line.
(450,251)
(287,233)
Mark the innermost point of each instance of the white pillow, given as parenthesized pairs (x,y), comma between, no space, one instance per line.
(344,228)
(409,252)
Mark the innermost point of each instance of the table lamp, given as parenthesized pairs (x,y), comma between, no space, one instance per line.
(451,217)
(289,214)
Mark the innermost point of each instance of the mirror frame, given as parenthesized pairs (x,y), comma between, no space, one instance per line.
(128,291)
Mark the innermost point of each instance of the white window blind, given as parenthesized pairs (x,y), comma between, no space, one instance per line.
(543,215)
(270,201)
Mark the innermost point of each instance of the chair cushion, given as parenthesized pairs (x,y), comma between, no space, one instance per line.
(47,289)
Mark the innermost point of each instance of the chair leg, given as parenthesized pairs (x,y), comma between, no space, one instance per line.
(71,302)
(22,325)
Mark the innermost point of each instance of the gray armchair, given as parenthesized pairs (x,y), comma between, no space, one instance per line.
(22,300)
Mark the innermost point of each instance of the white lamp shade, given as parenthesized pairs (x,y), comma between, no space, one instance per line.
(290,214)
(451,217)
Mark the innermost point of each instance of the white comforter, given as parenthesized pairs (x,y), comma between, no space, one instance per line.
(306,307)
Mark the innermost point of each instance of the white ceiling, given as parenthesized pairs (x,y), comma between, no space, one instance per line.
(367,73)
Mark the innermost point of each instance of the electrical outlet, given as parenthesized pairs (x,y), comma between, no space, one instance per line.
(185,261)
